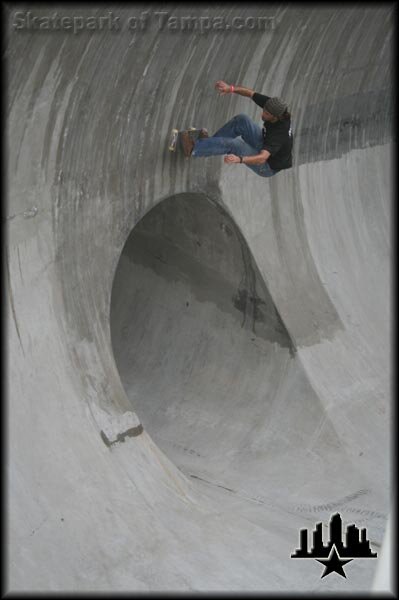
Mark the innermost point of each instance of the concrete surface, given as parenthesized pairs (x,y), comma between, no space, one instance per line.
(199,358)
(385,576)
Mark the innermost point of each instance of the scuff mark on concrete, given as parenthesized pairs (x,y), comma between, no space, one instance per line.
(26,214)
(216,484)
(30,213)
(14,316)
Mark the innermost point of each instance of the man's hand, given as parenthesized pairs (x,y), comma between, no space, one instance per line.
(223,88)
(231,158)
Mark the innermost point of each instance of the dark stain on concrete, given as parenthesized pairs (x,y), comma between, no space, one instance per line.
(245,302)
(190,240)
(120,438)
(355,121)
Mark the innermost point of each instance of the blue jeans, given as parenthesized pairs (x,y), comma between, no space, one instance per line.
(227,140)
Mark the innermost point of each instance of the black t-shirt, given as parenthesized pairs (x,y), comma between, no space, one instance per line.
(277,138)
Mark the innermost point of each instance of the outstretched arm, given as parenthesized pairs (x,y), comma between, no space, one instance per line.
(257,159)
(225,88)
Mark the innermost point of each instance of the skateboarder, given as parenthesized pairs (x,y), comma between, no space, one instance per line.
(266,151)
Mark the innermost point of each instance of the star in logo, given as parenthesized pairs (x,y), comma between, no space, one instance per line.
(333,563)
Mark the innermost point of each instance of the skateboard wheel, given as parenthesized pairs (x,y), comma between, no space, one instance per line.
(173,141)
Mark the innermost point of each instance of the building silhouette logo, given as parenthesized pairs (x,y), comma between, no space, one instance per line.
(335,554)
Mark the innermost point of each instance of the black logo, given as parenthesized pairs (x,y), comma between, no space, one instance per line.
(335,554)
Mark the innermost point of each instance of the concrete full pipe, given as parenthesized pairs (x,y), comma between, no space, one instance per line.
(198,358)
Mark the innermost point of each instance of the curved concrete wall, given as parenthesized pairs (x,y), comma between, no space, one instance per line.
(196,473)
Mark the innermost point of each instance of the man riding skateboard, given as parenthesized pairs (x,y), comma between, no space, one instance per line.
(266,151)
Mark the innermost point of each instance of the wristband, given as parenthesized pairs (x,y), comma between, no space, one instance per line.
(240,159)
(232,89)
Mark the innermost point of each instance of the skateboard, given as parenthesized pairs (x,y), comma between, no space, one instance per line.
(175,137)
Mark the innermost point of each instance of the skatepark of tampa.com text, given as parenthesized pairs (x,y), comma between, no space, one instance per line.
(164,21)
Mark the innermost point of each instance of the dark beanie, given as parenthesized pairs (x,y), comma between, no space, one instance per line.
(275,106)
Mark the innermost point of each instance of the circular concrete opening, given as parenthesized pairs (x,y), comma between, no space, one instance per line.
(201,350)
